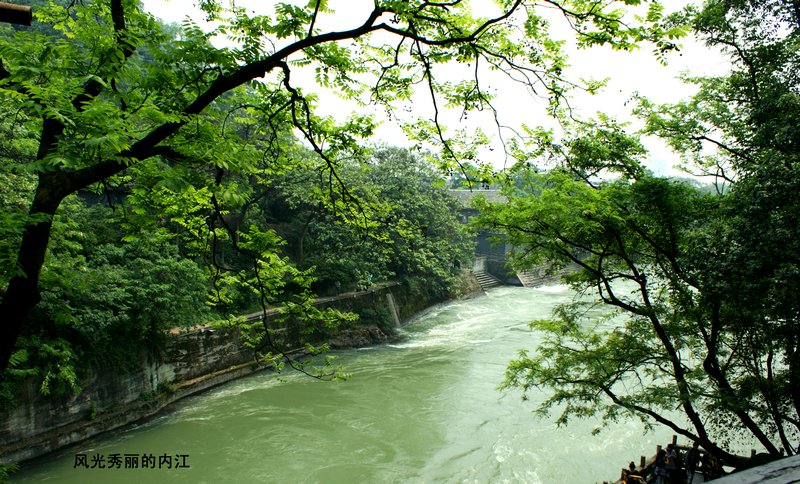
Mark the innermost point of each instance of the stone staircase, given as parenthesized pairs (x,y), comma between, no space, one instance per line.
(530,277)
(486,280)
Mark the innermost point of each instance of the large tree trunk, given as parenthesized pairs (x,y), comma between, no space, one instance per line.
(23,294)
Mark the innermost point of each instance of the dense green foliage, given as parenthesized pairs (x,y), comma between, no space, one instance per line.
(172,244)
(703,284)
(120,275)
(409,227)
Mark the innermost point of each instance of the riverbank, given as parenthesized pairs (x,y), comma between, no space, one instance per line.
(192,362)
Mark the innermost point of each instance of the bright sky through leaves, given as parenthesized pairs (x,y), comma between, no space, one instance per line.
(629,73)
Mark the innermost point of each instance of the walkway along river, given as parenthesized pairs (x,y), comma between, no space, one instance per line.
(426,409)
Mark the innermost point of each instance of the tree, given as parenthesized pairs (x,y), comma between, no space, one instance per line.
(410,229)
(704,284)
(636,246)
(426,240)
(750,117)
(116,94)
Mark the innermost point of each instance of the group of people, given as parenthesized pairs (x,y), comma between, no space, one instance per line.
(632,476)
(671,467)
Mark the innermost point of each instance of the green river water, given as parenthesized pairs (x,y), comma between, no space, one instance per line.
(424,410)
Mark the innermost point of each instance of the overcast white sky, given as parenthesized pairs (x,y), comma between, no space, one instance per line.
(629,73)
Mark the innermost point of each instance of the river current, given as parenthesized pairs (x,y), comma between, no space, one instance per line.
(424,410)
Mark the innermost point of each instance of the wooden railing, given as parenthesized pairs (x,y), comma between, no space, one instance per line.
(646,467)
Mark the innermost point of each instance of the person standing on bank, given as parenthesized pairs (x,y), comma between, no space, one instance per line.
(660,467)
(692,459)
(671,461)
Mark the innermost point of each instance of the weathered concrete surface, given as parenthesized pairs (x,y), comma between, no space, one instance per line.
(361,337)
(783,471)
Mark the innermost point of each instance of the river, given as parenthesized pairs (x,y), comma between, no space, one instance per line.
(424,410)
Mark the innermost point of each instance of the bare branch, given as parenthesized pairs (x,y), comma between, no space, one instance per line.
(412,34)
(314,18)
